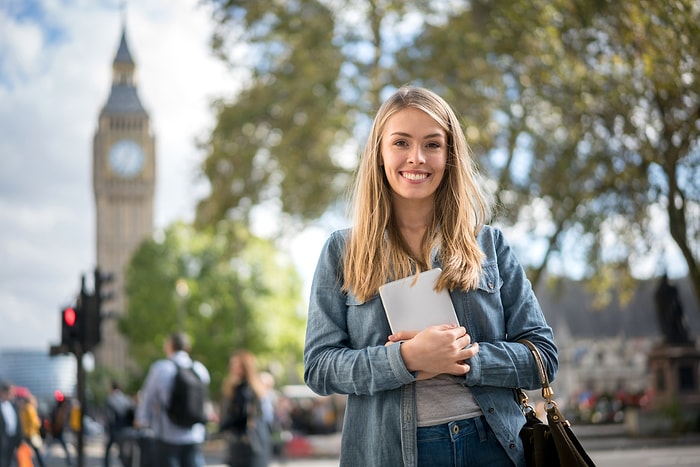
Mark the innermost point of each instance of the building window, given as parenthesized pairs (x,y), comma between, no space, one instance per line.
(686,378)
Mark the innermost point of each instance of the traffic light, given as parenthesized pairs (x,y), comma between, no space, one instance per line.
(92,335)
(94,312)
(71,327)
(102,279)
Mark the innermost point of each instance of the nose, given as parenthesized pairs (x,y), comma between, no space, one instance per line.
(416,156)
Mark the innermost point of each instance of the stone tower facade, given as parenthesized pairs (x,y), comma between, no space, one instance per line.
(124,176)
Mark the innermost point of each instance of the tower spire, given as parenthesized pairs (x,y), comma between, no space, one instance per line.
(123,66)
(123,96)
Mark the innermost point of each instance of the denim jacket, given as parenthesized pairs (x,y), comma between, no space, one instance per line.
(344,353)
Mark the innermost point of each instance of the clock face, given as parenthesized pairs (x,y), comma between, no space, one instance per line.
(126,158)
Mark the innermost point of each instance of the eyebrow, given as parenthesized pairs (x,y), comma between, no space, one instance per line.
(432,135)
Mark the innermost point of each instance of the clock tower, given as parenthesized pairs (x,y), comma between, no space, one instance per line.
(124,169)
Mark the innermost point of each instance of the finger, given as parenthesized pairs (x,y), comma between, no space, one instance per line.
(469,351)
(402,335)
(464,340)
(460,369)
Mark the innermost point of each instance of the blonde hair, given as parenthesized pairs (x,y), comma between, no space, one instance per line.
(248,365)
(375,251)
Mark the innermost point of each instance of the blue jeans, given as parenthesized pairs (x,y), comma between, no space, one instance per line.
(464,443)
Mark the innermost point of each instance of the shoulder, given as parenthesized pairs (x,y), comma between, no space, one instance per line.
(164,365)
(490,237)
(201,371)
(333,250)
(490,234)
(337,239)
(494,244)
(160,371)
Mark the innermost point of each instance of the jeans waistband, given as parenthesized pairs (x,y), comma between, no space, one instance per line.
(457,429)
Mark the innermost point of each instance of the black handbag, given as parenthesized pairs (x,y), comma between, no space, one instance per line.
(550,444)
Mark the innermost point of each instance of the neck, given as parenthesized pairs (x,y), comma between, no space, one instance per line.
(412,220)
(412,214)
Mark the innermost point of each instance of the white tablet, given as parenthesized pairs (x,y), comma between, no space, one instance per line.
(414,307)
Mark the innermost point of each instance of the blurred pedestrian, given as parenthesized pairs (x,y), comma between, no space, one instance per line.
(175,445)
(31,423)
(246,412)
(59,419)
(120,416)
(11,433)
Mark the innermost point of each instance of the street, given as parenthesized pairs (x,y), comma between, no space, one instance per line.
(649,457)
(605,451)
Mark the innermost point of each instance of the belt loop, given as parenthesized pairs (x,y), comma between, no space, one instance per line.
(479,422)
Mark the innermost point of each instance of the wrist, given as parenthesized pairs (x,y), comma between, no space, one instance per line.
(406,351)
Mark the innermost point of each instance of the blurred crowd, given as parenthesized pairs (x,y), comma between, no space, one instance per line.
(285,420)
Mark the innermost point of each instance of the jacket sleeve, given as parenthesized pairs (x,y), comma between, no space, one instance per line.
(508,363)
(331,365)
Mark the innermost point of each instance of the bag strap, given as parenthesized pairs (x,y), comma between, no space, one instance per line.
(568,448)
(547,390)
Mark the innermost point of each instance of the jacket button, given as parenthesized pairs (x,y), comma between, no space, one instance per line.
(511,445)
(491,410)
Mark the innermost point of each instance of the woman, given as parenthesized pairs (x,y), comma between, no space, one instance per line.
(445,395)
(245,413)
(31,423)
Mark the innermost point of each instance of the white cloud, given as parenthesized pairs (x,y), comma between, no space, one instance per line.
(55,76)
(20,45)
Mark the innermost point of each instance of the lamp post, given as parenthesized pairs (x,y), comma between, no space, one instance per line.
(183,291)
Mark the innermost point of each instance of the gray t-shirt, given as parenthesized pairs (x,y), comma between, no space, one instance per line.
(442,400)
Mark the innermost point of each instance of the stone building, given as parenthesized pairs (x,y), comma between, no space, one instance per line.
(124,176)
(605,351)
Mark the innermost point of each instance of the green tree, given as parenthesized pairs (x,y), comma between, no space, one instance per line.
(601,94)
(270,144)
(290,139)
(584,114)
(190,280)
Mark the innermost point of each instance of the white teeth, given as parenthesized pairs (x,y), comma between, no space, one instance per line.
(413,176)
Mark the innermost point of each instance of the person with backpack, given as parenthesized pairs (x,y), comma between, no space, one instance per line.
(172,403)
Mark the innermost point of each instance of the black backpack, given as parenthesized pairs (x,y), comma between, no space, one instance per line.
(187,398)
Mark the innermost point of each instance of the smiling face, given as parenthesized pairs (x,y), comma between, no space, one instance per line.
(414,154)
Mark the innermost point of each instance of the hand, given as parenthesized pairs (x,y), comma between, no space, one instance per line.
(403,336)
(436,349)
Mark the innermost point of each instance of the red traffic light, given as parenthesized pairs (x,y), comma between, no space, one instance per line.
(69,316)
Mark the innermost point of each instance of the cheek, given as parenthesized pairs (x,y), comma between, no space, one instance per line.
(441,167)
(388,161)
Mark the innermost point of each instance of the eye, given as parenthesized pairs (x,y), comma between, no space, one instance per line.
(401,143)
(433,145)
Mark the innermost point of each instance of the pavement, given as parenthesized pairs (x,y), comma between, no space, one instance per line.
(614,437)
(594,438)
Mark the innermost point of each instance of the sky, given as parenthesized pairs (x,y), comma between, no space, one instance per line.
(55,76)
